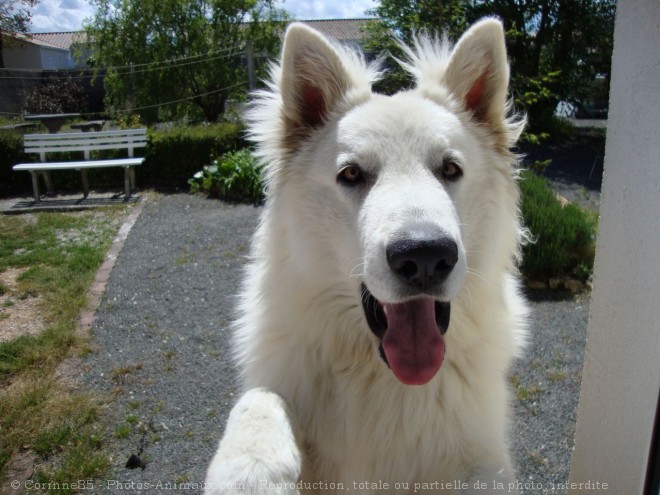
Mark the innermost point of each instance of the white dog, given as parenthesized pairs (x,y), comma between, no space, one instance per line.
(380,312)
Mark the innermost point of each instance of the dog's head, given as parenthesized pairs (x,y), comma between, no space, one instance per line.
(402,195)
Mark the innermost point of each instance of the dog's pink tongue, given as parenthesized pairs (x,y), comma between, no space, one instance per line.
(413,344)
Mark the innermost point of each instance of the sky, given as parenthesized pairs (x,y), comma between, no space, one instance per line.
(69,15)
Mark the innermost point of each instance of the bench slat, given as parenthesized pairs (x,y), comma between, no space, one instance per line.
(115,162)
(85,141)
(66,135)
(72,136)
(63,148)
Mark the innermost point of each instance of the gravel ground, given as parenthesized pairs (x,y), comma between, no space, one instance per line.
(161,354)
(161,340)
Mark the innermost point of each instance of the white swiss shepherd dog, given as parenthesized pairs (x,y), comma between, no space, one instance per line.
(380,311)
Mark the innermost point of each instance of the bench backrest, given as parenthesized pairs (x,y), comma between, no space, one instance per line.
(85,141)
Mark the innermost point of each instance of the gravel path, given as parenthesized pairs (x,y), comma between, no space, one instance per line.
(161,334)
(161,354)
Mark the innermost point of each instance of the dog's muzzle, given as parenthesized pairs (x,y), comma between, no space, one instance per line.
(411,329)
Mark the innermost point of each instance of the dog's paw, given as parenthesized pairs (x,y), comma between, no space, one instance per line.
(258,453)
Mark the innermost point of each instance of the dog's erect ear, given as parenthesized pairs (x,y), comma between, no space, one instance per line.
(314,77)
(478,72)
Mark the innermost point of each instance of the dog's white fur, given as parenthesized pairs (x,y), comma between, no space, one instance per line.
(321,409)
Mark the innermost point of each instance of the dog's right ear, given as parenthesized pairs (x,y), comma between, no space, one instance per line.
(314,79)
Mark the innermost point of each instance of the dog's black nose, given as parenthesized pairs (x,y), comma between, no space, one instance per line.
(422,262)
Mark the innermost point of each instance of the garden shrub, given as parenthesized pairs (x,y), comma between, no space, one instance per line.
(57,95)
(236,176)
(564,236)
(174,155)
(11,153)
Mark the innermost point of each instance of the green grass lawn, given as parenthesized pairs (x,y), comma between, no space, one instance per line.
(56,256)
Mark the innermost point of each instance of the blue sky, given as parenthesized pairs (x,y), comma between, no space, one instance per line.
(69,15)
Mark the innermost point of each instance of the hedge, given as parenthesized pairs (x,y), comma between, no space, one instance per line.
(11,153)
(174,155)
(563,236)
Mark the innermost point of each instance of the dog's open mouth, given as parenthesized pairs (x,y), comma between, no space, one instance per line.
(410,334)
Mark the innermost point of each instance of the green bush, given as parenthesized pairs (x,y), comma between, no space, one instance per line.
(564,236)
(236,176)
(173,155)
(57,95)
(11,153)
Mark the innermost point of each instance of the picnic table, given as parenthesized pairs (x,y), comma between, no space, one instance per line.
(53,121)
(92,125)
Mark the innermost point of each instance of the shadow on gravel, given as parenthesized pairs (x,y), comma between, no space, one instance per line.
(578,160)
(541,295)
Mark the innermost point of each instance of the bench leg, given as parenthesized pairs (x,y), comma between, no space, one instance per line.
(85,182)
(35,185)
(133,183)
(50,190)
(127,183)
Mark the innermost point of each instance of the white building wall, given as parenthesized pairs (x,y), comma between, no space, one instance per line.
(621,375)
(31,56)
(26,56)
(52,59)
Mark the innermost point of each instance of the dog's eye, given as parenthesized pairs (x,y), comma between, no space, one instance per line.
(450,170)
(350,175)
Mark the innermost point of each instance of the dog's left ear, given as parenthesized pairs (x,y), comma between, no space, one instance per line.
(478,72)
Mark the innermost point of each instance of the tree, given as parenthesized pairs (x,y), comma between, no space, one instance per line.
(15,19)
(191,52)
(559,49)
(57,95)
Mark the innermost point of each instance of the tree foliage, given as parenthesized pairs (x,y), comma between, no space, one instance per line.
(15,19)
(191,52)
(560,50)
(57,95)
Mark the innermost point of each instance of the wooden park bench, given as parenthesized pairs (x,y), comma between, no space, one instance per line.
(85,142)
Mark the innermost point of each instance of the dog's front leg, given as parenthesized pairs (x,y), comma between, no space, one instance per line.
(258,453)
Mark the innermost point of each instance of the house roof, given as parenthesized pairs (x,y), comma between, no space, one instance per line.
(35,39)
(61,39)
(340,29)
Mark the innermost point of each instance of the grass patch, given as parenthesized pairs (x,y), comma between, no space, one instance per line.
(555,375)
(132,419)
(523,392)
(60,254)
(41,416)
(122,431)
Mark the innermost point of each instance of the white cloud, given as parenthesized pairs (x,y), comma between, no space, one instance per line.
(60,15)
(320,9)
(68,15)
